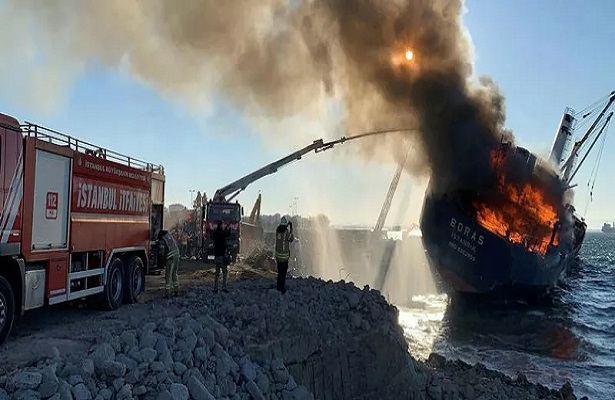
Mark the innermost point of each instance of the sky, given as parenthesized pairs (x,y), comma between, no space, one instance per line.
(544,56)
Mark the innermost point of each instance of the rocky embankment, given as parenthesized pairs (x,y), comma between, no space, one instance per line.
(318,341)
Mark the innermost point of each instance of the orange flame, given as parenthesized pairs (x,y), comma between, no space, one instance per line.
(521,213)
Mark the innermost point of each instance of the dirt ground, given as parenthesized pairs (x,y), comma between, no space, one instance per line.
(72,327)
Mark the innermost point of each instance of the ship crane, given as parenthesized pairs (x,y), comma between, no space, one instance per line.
(389,249)
(568,167)
(384,212)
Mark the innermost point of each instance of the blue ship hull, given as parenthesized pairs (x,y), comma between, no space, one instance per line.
(469,259)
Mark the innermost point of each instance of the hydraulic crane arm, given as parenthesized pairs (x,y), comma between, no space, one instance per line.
(230,191)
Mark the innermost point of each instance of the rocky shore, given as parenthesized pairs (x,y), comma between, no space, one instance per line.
(321,340)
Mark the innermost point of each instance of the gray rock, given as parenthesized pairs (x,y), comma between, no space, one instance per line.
(129,339)
(248,371)
(353,299)
(104,352)
(106,394)
(302,393)
(222,334)
(157,366)
(125,392)
(201,353)
(25,380)
(113,369)
(74,380)
(139,390)
(87,367)
(291,384)
(50,383)
(191,341)
(198,391)
(81,392)
(148,355)
(354,319)
(118,384)
(129,362)
(179,391)
(133,376)
(209,337)
(164,354)
(279,371)
(165,395)
(223,368)
(148,340)
(65,391)
(27,394)
(149,327)
(262,381)
(179,368)
(254,391)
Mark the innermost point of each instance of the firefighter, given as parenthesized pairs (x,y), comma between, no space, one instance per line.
(219,237)
(171,256)
(283,237)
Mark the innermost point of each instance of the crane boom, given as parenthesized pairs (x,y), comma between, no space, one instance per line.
(384,212)
(568,166)
(230,191)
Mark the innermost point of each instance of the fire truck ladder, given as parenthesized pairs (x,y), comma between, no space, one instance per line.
(52,136)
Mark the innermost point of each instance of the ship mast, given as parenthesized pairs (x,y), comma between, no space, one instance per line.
(568,166)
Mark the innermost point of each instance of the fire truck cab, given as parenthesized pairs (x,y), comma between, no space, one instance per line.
(78,221)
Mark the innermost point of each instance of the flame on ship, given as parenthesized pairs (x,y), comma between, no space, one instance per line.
(519,212)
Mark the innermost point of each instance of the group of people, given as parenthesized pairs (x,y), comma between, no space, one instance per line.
(170,254)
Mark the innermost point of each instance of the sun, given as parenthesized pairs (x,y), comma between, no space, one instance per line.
(409,55)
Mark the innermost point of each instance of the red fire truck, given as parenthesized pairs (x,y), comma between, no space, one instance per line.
(77,221)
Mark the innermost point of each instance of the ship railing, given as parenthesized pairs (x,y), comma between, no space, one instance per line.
(52,136)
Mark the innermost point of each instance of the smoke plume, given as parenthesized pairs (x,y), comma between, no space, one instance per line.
(281,58)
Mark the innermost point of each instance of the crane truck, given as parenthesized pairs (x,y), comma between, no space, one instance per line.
(78,221)
(222,208)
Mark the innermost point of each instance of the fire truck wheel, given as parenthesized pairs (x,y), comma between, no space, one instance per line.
(135,279)
(7,309)
(112,296)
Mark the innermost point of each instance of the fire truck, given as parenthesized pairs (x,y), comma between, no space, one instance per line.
(78,221)
(222,208)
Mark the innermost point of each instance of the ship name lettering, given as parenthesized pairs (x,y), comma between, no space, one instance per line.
(467,231)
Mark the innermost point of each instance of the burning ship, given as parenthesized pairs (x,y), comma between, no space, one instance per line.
(508,228)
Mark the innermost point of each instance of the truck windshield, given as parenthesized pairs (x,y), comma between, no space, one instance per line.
(223,212)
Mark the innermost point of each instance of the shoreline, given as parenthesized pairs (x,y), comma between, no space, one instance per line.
(326,340)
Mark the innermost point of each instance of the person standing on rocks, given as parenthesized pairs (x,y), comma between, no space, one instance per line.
(170,253)
(219,237)
(283,238)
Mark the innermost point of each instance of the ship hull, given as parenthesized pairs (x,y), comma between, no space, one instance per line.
(468,259)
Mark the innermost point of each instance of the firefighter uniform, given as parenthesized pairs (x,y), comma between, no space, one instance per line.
(171,257)
(283,237)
